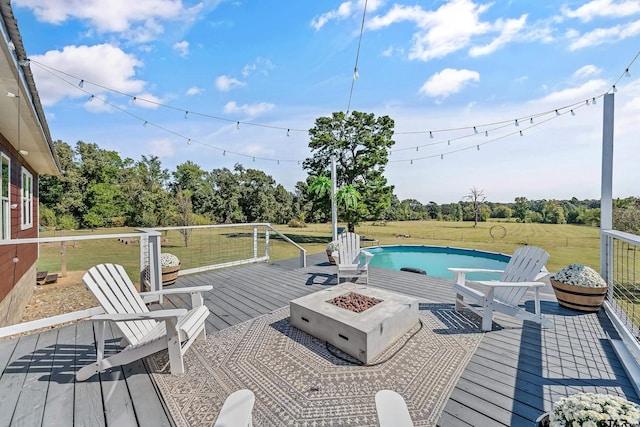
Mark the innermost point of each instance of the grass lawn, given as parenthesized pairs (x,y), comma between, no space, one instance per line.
(565,243)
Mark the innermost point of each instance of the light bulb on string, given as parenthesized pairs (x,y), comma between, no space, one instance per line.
(573,113)
(417,148)
(531,120)
(430,134)
(238,125)
(615,89)
(587,102)
(449,142)
(517,124)
(224,152)
(189,141)
(411,161)
(627,73)
(254,159)
(486,133)
(145,123)
(478,147)
(441,156)
(520,133)
(594,101)
(557,113)
(90,98)
(186,113)
(81,84)
(475,130)
(288,132)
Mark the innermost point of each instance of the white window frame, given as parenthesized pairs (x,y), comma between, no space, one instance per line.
(5,201)
(26,196)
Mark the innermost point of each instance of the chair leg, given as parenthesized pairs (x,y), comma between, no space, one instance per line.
(175,349)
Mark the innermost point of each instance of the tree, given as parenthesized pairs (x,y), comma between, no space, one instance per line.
(476,197)
(520,208)
(184,215)
(360,143)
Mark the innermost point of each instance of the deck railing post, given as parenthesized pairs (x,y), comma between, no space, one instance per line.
(155,268)
(255,241)
(266,241)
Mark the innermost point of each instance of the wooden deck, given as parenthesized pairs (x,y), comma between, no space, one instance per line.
(516,373)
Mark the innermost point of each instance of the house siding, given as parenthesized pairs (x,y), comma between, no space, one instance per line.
(17,279)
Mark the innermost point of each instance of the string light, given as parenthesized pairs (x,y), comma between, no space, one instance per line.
(189,141)
(486,133)
(478,147)
(145,123)
(441,156)
(558,112)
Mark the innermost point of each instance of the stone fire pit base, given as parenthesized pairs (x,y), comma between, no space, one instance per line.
(361,335)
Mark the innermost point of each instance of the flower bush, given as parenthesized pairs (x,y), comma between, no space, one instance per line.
(594,410)
(579,275)
(333,246)
(169,260)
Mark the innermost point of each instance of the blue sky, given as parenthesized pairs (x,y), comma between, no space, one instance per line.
(172,78)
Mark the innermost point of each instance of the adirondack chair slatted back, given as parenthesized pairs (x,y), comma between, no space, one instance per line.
(349,250)
(525,264)
(115,292)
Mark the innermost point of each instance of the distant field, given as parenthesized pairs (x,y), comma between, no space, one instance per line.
(565,243)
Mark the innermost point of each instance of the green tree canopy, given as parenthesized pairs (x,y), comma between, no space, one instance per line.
(360,144)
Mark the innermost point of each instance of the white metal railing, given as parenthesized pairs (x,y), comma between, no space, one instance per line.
(621,269)
(251,246)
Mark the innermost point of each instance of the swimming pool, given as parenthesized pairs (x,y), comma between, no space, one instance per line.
(436,260)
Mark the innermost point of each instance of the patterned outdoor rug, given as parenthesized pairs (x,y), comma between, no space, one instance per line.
(297,381)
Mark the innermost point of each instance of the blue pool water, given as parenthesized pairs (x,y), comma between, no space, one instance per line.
(436,260)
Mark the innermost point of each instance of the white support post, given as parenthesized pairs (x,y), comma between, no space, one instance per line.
(606,199)
(266,242)
(334,203)
(155,268)
(255,241)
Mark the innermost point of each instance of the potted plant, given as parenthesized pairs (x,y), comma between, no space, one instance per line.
(591,409)
(332,247)
(579,287)
(170,268)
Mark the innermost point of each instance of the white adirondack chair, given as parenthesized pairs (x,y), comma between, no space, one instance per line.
(144,332)
(392,410)
(504,295)
(350,259)
(237,410)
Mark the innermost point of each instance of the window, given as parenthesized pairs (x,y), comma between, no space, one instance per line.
(5,212)
(27,199)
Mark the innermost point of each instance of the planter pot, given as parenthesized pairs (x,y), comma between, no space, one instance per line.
(332,260)
(579,297)
(543,420)
(169,275)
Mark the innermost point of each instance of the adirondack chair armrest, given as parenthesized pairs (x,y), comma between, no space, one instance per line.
(367,255)
(152,315)
(194,291)
(461,272)
(497,284)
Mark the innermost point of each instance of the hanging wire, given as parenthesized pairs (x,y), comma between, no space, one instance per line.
(355,68)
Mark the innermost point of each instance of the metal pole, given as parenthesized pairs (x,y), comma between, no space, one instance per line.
(334,206)
(606,199)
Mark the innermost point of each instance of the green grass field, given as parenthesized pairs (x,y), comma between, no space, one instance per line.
(565,243)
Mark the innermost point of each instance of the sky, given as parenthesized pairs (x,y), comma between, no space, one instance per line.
(503,96)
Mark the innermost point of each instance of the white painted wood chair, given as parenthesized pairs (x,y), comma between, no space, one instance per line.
(144,332)
(237,410)
(351,261)
(392,410)
(504,295)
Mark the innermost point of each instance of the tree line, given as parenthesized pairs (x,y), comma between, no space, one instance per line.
(98,188)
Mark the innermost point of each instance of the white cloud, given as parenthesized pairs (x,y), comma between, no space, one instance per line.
(163,148)
(226,83)
(147,100)
(249,109)
(261,65)
(575,94)
(604,35)
(103,64)
(344,11)
(598,8)
(194,90)
(587,71)
(182,48)
(509,29)
(440,32)
(448,82)
(138,20)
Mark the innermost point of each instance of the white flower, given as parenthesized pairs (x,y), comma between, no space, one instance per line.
(333,246)
(587,409)
(580,275)
(169,260)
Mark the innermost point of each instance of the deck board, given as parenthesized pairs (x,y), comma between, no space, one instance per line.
(515,374)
